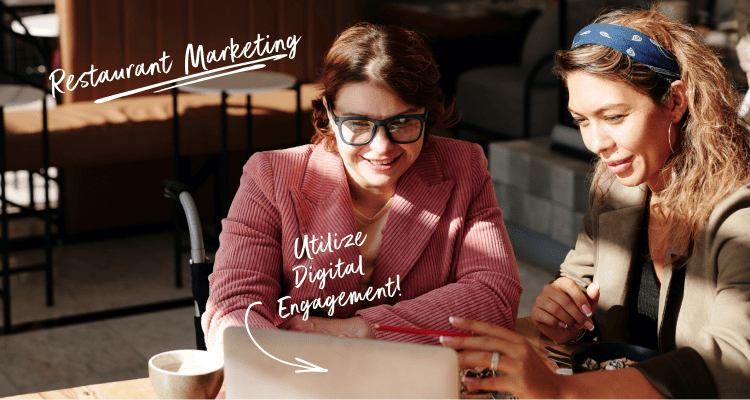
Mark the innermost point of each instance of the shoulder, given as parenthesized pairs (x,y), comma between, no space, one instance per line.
(457,157)
(283,157)
(452,148)
(279,161)
(273,170)
(731,217)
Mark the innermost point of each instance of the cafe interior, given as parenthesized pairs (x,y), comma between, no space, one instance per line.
(96,271)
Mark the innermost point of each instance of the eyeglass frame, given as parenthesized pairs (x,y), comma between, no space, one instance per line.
(378,123)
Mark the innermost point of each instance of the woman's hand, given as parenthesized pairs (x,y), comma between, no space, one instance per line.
(356,327)
(522,371)
(562,310)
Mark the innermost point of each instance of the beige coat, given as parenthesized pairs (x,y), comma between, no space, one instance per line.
(704,306)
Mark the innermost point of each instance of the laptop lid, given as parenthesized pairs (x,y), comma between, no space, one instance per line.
(355,368)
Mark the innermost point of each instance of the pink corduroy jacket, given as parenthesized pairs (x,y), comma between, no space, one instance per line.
(444,252)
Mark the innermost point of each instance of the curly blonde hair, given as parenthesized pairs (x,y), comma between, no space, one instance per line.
(713,158)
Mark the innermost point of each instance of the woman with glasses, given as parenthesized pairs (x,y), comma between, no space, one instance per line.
(377,222)
(663,257)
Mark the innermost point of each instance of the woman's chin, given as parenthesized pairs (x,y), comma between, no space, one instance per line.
(629,181)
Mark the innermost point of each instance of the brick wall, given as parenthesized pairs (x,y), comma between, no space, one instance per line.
(540,190)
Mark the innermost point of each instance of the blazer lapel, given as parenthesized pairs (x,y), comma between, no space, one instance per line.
(618,241)
(670,299)
(324,208)
(420,200)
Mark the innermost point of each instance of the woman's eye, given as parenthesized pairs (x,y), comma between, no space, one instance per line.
(399,123)
(578,121)
(614,118)
(360,125)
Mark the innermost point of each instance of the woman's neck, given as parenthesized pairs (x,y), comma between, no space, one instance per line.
(659,213)
(369,201)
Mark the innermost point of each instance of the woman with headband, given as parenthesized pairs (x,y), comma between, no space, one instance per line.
(663,257)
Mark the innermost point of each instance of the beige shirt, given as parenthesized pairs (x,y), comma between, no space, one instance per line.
(373,228)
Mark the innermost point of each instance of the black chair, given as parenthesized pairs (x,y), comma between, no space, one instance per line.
(12,77)
(200,267)
(502,101)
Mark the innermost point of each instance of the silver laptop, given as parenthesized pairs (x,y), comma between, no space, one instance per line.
(265,365)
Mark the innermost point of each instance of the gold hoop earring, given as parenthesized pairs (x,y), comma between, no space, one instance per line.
(669,137)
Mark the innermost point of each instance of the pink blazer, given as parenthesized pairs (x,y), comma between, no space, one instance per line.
(444,239)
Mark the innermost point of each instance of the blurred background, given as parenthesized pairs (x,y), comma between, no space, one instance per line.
(95,272)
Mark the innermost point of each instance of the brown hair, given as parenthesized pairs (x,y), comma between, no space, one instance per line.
(388,55)
(713,158)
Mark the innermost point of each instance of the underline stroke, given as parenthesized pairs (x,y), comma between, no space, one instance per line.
(134,91)
(250,68)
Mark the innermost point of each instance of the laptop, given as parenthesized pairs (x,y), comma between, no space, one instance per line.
(355,368)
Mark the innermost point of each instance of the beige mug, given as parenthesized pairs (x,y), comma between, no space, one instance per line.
(186,374)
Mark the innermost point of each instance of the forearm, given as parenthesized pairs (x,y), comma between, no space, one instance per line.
(215,323)
(355,327)
(431,310)
(623,383)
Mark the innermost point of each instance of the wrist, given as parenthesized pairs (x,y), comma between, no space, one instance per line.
(363,328)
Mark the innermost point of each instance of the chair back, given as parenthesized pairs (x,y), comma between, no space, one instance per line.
(542,38)
(25,47)
(200,268)
(199,273)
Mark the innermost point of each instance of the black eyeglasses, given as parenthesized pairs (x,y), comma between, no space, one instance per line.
(359,131)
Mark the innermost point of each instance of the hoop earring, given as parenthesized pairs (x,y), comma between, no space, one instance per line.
(669,137)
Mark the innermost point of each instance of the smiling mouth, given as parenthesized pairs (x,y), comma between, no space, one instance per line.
(616,163)
(383,162)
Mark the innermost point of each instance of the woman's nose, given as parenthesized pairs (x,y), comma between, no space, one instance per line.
(380,143)
(598,140)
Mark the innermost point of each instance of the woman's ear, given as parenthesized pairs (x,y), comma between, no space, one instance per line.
(328,115)
(678,101)
(328,109)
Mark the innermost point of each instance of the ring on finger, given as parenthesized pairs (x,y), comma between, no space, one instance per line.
(495,361)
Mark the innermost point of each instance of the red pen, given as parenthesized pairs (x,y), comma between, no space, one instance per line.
(418,331)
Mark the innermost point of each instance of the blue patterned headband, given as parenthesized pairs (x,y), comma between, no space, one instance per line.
(632,43)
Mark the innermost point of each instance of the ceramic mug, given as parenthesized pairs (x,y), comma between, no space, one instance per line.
(186,374)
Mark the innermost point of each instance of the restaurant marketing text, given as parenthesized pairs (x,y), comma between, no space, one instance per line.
(195,57)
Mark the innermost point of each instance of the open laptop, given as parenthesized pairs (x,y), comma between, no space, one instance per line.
(356,368)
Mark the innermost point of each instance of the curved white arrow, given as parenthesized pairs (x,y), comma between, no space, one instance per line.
(310,367)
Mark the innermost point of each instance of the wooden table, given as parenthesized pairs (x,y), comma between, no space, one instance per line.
(141,388)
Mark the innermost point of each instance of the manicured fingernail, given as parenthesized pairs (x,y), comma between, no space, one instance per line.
(588,325)
(586,310)
(597,284)
(446,340)
(455,320)
(450,319)
(466,379)
(562,324)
